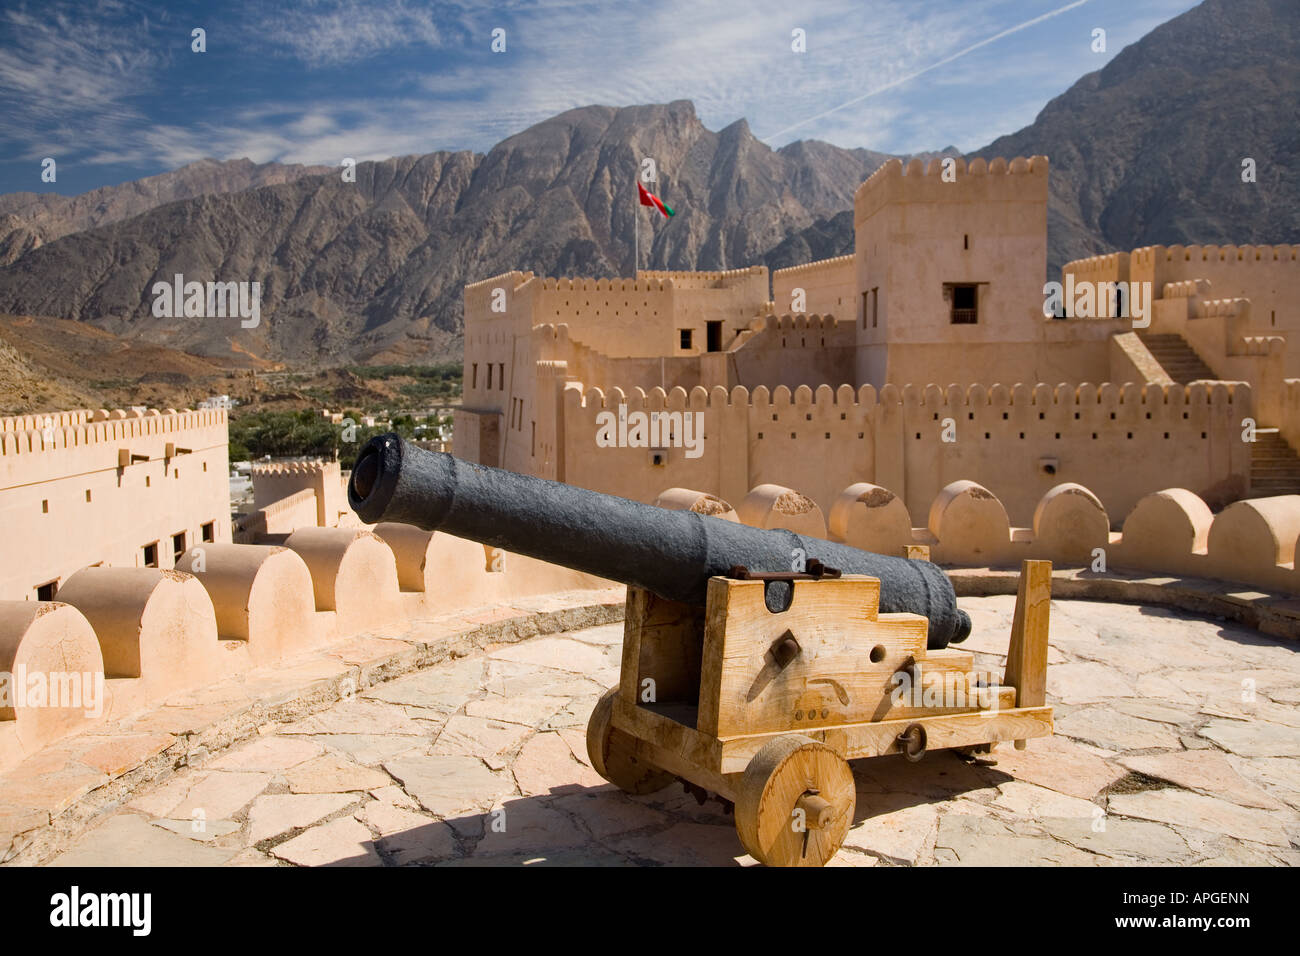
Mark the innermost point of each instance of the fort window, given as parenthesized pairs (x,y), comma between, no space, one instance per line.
(965,241)
(685,338)
(828,434)
(45,506)
(489,381)
(862,435)
(964,300)
(46,591)
(501,376)
(473,378)
(866,304)
(87,494)
(713,334)
(178,546)
(208,532)
(150,554)
(532,444)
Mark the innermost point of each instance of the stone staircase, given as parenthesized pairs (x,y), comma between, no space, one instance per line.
(1177,358)
(1274,465)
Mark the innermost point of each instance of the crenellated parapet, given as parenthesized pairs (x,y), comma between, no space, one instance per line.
(1147,255)
(684,279)
(1096,399)
(812,268)
(27,434)
(925,182)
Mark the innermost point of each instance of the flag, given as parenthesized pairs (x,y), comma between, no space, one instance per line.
(650,199)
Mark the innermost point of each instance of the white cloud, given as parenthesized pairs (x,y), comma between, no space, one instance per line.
(330,32)
(82,83)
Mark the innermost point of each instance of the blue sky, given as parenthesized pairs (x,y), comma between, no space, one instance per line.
(113,91)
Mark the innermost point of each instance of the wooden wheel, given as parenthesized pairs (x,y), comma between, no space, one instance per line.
(613,752)
(795,801)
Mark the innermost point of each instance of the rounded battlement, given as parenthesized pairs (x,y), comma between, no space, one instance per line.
(918,181)
(807,267)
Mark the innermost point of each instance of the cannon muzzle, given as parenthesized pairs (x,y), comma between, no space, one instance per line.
(670,553)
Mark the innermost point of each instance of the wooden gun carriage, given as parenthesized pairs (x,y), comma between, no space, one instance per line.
(765,709)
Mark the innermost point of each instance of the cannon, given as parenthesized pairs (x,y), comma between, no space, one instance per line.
(672,554)
(756,663)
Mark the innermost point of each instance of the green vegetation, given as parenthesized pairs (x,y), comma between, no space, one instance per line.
(442,380)
(307,434)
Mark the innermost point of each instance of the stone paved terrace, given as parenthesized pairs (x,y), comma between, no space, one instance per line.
(1163,755)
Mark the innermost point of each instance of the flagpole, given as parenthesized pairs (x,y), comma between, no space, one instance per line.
(636,233)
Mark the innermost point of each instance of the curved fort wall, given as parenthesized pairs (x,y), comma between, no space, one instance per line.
(144,636)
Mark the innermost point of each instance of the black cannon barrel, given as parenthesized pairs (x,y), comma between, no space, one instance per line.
(670,553)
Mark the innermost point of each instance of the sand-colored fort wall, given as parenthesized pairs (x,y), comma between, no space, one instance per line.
(279,480)
(918,234)
(126,639)
(829,288)
(79,488)
(1125,441)
(791,350)
(1267,275)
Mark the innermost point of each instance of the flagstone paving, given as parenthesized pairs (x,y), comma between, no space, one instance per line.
(1178,743)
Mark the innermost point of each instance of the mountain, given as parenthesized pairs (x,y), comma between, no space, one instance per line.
(29,220)
(1149,149)
(1146,150)
(374,269)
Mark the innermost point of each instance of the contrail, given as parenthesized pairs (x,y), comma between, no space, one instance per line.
(932,66)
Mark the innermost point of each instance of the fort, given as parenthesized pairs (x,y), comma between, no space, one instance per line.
(911,398)
(923,358)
